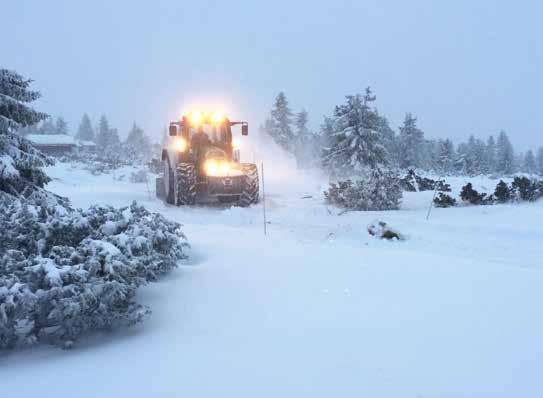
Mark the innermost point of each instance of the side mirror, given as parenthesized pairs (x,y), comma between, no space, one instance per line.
(245,129)
(173,130)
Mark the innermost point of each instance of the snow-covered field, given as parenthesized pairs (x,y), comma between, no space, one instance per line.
(317,308)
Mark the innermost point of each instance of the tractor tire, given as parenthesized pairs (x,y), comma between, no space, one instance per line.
(168,182)
(186,184)
(251,185)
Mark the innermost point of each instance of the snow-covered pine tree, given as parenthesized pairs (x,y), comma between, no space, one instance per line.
(429,159)
(137,147)
(61,127)
(20,162)
(411,143)
(389,140)
(308,144)
(85,132)
(113,152)
(446,157)
(108,143)
(476,153)
(303,140)
(505,155)
(462,162)
(279,125)
(354,144)
(529,165)
(490,155)
(103,134)
(539,161)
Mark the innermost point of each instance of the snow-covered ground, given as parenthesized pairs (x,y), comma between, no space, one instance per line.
(317,308)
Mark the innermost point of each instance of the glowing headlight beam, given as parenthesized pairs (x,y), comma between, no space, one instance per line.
(217,117)
(217,168)
(195,117)
(180,144)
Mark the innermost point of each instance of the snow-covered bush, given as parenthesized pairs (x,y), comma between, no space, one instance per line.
(503,192)
(379,190)
(473,197)
(66,272)
(444,200)
(527,189)
(382,230)
(415,183)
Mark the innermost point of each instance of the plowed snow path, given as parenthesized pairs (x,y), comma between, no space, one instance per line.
(317,308)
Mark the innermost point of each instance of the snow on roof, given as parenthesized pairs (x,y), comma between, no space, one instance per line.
(51,139)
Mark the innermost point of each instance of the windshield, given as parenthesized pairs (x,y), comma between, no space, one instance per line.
(211,133)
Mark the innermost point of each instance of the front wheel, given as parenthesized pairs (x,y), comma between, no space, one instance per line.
(251,185)
(186,184)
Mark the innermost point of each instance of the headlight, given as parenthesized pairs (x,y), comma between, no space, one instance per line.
(212,168)
(217,168)
(195,117)
(217,117)
(180,144)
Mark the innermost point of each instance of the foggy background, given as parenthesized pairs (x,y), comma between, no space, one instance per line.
(462,67)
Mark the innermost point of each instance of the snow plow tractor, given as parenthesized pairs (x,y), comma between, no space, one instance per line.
(201,163)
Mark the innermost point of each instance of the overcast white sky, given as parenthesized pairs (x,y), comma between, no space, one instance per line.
(462,67)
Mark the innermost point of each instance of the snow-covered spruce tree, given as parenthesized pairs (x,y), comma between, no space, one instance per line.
(113,153)
(529,164)
(505,155)
(61,127)
(308,144)
(21,164)
(462,163)
(446,156)
(85,132)
(353,142)
(137,147)
(108,144)
(389,140)
(539,161)
(476,152)
(279,125)
(411,144)
(429,159)
(103,136)
(490,155)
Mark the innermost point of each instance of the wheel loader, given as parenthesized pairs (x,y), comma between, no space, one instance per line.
(201,163)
